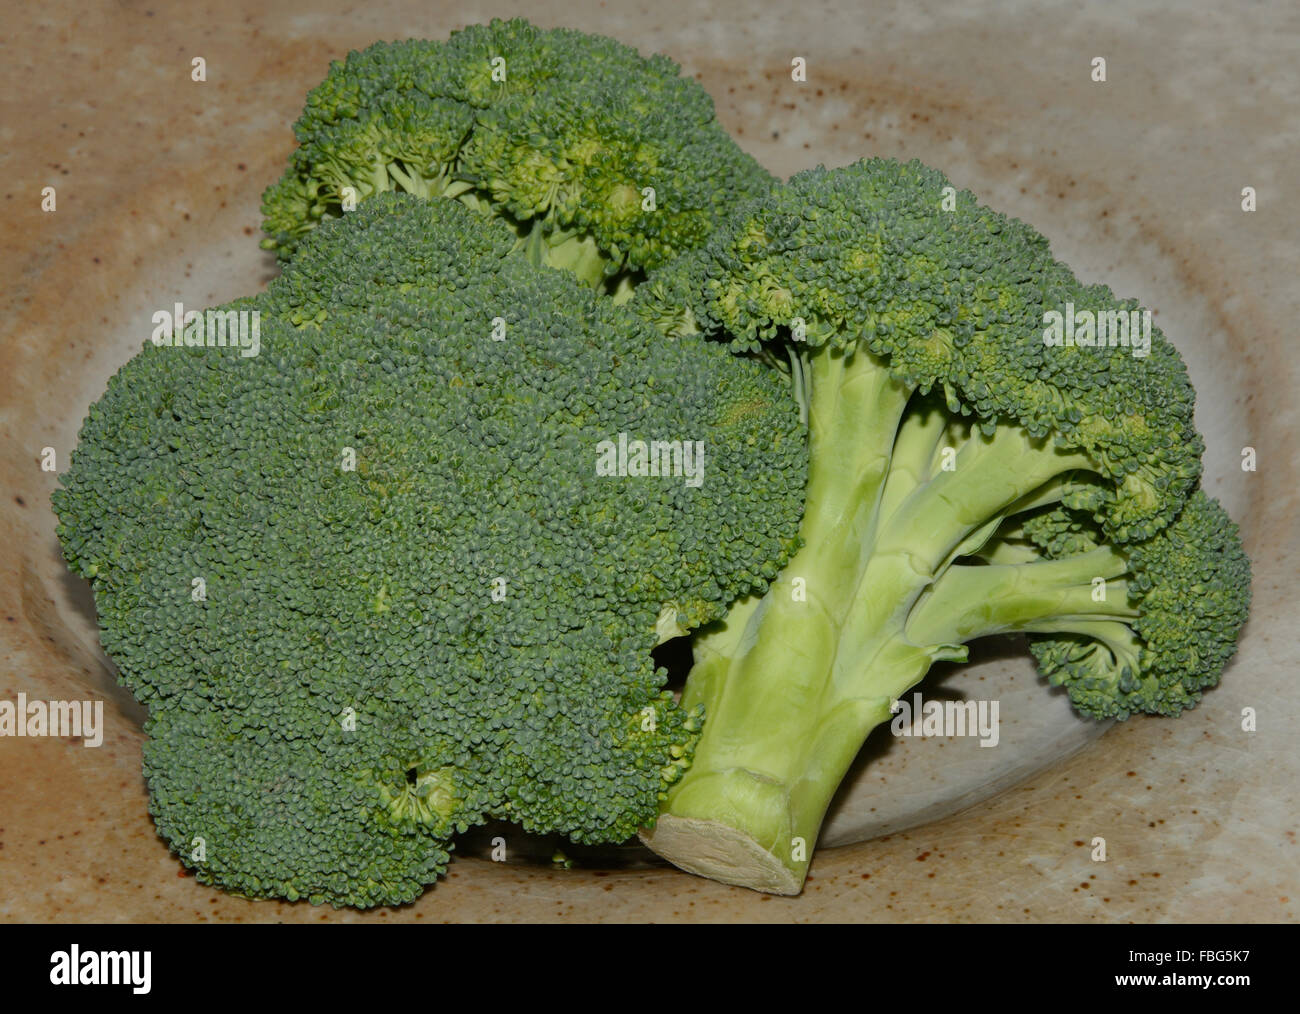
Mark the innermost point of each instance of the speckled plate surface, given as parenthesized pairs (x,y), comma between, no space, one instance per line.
(1137,181)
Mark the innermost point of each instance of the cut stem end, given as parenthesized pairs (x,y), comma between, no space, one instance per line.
(711,849)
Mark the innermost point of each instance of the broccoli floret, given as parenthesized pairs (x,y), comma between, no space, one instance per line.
(556,133)
(966,478)
(459,626)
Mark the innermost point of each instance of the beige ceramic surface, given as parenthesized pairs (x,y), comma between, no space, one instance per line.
(1137,181)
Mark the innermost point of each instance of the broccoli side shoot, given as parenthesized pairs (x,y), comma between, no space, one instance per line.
(599,160)
(423,605)
(966,478)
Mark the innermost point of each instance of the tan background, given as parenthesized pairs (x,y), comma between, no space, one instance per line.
(1136,181)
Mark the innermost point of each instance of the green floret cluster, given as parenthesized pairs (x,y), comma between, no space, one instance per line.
(1185,597)
(347,694)
(966,478)
(377,583)
(556,133)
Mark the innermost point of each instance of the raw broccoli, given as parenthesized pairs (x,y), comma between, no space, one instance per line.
(966,478)
(457,628)
(559,134)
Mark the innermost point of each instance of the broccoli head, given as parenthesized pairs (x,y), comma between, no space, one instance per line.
(599,160)
(373,584)
(969,474)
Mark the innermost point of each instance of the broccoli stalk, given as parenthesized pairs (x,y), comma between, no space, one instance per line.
(1042,491)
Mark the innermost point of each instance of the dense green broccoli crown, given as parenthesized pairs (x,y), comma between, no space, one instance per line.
(556,132)
(868,257)
(349,692)
(971,472)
